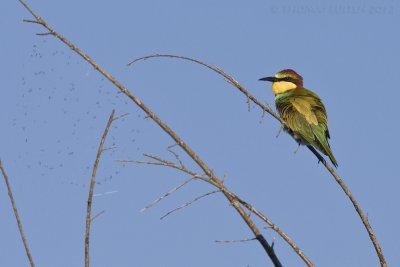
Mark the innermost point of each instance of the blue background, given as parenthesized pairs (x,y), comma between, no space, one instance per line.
(54,107)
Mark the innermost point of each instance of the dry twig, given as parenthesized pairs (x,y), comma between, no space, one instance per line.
(236,241)
(189,203)
(97,215)
(170,192)
(14,206)
(91,189)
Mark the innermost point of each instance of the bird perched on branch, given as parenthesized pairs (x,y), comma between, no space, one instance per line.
(302,110)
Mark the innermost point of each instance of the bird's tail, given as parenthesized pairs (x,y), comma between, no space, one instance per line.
(331,156)
(326,149)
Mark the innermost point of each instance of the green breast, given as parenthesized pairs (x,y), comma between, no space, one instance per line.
(281,97)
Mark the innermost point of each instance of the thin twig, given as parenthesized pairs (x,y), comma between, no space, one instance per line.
(44,33)
(176,156)
(109,148)
(14,206)
(224,178)
(31,21)
(91,188)
(172,146)
(189,203)
(236,241)
(316,153)
(262,116)
(167,164)
(105,193)
(170,192)
(121,116)
(97,215)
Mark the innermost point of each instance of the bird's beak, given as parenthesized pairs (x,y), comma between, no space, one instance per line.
(269,79)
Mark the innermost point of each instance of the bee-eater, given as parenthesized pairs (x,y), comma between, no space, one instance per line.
(302,110)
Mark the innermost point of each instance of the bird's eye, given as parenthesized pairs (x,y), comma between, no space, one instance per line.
(288,79)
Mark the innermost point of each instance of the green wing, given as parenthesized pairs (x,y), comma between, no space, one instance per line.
(305,115)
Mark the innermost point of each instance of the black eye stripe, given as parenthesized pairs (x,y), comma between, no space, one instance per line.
(288,79)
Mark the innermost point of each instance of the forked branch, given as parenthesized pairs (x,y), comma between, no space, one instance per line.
(221,187)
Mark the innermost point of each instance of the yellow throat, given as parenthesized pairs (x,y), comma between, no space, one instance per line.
(282,86)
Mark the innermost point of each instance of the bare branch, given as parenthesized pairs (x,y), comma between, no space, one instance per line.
(189,203)
(175,166)
(162,162)
(170,192)
(226,76)
(14,206)
(91,188)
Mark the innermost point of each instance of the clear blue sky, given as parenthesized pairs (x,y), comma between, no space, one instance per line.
(54,107)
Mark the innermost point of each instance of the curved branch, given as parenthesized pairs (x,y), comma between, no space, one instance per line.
(14,206)
(341,183)
(89,218)
(221,72)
